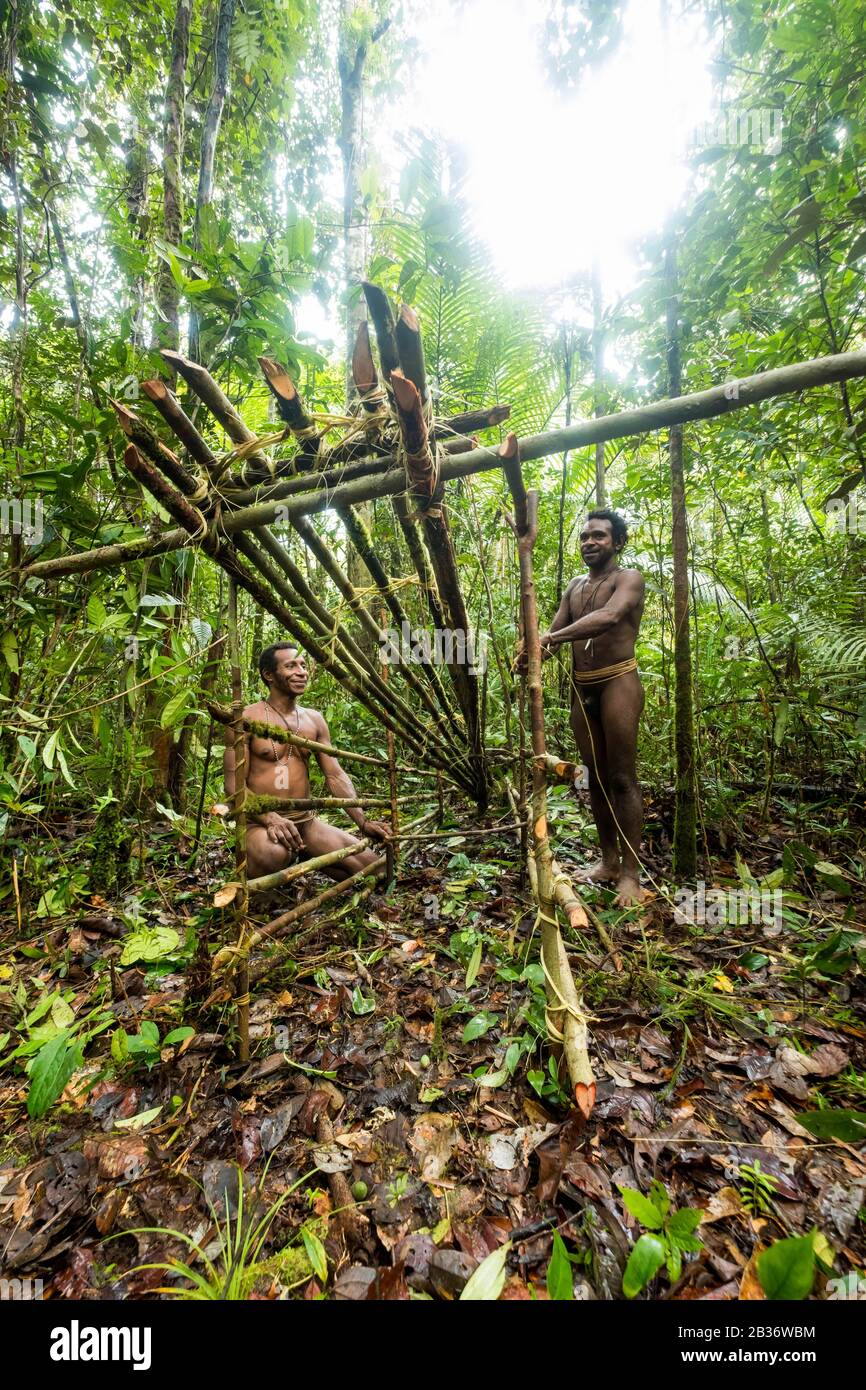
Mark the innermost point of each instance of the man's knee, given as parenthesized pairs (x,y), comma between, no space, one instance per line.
(622,782)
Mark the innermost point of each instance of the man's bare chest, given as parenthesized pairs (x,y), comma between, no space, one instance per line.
(273,749)
(589,595)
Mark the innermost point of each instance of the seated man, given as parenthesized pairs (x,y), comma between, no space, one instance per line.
(275,839)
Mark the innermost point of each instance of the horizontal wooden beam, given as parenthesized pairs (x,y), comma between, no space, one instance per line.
(680,410)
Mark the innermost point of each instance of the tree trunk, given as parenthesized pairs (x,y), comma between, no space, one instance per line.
(564,660)
(209,134)
(597,372)
(351,62)
(685,836)
(167,293)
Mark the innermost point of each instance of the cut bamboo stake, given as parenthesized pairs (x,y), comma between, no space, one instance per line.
(291,411)
(579,915)
(410,350)
(559,770)
(566,1019)
(149,443)
(421,465)
(471,421)
(363,543)
(202,383)
(364,373)
(383,321)
(177,419)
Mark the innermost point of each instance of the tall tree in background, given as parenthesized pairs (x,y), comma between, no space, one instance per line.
(597,371)
(167,292)
(209,134)
(685,837)
(356,38)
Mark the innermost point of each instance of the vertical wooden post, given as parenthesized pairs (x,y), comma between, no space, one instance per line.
(566,1020)
(391,846)
(242,978)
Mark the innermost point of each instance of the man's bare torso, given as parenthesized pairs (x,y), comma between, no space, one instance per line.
(277,768)
(586,595)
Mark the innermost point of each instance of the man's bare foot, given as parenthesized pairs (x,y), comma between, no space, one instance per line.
(603,871)
(629,892)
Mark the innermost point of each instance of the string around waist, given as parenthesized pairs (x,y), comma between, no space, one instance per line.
(604,673)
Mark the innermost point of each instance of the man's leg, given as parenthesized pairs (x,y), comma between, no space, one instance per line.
(622,700)
(320,838)
(590,739)
(263,855)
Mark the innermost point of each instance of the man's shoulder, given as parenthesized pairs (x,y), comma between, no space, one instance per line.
(309,713)
(632,575)
(254,711)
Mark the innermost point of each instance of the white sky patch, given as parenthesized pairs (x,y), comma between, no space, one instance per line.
(557,179)
(313,320)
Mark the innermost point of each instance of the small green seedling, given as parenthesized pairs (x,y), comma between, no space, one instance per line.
(668,1236)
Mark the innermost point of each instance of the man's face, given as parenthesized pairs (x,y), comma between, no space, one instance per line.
(596,542)
(291,676)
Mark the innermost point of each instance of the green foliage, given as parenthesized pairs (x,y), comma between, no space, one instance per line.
(145,1046)
(670,1235)
(487,1281)
(50,1070)
(756,1188)
(787,1269)
(242,1236)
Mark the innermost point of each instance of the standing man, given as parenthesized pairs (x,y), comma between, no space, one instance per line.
(600,614)
(275,839)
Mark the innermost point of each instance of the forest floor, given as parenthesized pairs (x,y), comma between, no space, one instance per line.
(710,1043)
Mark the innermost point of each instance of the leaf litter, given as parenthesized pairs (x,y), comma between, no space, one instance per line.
(398,1051)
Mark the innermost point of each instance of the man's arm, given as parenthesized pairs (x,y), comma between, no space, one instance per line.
(563,612)
(339,783)
(625,597)
(559,621)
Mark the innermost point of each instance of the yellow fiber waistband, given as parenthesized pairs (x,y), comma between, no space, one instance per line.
(604,673)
